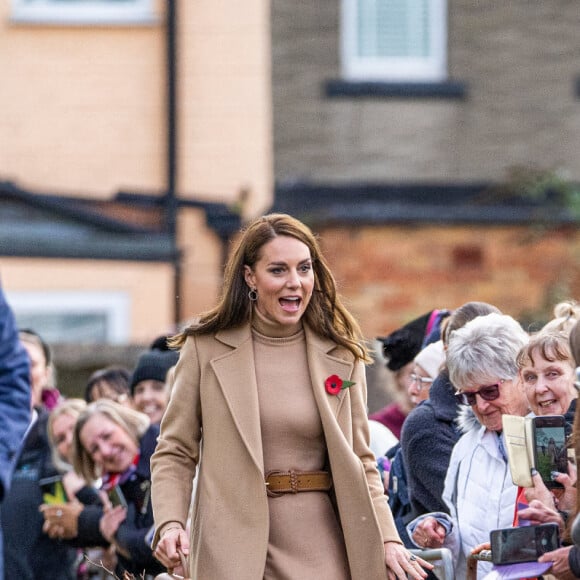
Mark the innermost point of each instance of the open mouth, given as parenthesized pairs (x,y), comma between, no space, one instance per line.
(290,303)
(546,404)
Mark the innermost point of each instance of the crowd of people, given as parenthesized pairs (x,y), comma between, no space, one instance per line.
(244,442)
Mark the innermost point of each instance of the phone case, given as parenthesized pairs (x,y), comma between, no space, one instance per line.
(523,544)
(518,437)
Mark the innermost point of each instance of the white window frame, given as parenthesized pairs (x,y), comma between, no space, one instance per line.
(115,305)
(96,12)
(405,69)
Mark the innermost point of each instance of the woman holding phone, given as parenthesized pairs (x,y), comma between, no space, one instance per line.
(548,371)
(115,443)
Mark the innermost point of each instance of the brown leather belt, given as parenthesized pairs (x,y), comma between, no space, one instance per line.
(281,482)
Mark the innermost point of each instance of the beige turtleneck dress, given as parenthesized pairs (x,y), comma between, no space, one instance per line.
(305,540)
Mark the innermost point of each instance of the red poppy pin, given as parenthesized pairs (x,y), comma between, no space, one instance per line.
(334,384)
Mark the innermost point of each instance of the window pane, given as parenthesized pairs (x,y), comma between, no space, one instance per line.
(67,327)
(393,28)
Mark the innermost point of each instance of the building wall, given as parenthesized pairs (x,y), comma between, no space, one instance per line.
(148,286)
(520,66)
(83,113)
(390,275)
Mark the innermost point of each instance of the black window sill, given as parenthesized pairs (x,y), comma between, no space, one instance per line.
(390,90)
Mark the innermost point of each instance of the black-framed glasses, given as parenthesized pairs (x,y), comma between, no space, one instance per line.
(487,393)
(421,381)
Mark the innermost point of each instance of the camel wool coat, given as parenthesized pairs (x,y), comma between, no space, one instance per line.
(214,405)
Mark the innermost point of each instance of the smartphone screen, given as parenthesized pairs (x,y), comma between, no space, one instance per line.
(525,544)
(550,452)
(53,490)
(116,497)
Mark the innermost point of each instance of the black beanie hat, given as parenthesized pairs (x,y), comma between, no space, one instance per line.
(153,365)
(401,346)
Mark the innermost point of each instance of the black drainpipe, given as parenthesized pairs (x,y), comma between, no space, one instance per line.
(171,202)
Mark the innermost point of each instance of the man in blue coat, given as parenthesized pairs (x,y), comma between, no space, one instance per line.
(14,399)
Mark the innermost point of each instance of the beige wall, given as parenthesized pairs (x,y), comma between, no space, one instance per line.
(149,286)
(226,101)
(83,113)
(82,109)
(202,260)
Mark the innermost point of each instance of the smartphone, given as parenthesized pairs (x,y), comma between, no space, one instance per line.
(116,497)
(52,490)
(525,544)
(550,452)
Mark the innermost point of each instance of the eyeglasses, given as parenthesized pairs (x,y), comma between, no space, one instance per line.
(487,393)
(422,381)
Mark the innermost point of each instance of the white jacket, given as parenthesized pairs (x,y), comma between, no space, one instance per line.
(480,495)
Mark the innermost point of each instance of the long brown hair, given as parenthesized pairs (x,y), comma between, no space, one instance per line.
(325,313)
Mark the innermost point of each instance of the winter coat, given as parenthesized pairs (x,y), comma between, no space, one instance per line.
(14,399)
(479,492)
(429,434)
(215,390)
(133,534)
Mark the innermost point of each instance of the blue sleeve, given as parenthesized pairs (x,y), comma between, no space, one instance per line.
(135,541)
(14,393)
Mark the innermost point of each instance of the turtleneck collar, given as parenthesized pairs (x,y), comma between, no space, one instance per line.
(272,329)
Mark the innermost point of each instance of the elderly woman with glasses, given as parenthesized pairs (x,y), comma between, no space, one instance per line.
(479,492)
(426,367)
(547,370)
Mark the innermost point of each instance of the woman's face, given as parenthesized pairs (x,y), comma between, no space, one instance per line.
(549,386)
(511,401)
(151,397)
(109,445)
(103,390)
(62,435)
(39,371)
(284,280)
(419,384)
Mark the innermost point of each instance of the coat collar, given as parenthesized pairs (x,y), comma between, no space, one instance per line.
(235,372)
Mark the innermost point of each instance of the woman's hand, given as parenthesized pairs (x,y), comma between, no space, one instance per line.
(61,520)
(538,513)
(109,523)
(173,538)
(540,492)
(566,498)
(402,564)
(561,567)
(429,533)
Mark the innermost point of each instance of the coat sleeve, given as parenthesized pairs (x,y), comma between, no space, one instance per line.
(175,459)
(361,447)
(14,393)
(426,453)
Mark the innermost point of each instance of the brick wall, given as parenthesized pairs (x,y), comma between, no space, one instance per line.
(519,62)
(391,274)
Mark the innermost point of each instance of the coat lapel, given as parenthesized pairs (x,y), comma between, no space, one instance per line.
(237,378)
(322,365)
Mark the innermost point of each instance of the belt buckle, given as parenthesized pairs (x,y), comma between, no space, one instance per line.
(269,492)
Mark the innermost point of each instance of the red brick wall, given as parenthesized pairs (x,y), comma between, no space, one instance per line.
(389,275)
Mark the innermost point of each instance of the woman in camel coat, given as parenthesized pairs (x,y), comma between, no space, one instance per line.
(259,381)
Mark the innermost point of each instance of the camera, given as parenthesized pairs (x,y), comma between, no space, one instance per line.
(523,544)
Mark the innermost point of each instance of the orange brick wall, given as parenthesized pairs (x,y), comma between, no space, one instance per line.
(389,275)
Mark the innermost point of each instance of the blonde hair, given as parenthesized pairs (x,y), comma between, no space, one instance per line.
(551,346)
(73,408)
(566,314)
(131,421)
